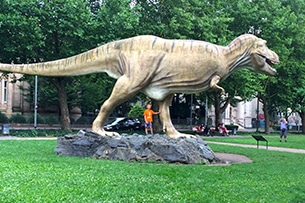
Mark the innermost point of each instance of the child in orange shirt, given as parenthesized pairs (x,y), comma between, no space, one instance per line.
(148,117)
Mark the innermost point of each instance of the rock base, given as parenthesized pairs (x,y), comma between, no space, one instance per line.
(156,148)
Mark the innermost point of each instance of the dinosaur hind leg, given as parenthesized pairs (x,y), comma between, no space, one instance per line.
(122,91)
(168,126)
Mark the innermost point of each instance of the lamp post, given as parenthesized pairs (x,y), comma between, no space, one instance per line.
(191,113)
(257,111)
(35,102)
(206,111)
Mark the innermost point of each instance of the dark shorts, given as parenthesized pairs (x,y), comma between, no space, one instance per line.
(148,125)
(283,132)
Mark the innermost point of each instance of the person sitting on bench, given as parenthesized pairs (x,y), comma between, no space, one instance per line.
(222,130)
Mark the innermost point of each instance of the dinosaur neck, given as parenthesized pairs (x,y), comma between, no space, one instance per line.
(237,53)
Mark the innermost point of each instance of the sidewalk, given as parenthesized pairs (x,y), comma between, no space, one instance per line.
(281,149)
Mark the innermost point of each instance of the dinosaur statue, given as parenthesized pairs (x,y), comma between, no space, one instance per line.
(159,68)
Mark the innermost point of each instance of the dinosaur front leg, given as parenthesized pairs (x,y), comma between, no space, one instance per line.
(122,91)
(214,84)
(101,118)
(168,126)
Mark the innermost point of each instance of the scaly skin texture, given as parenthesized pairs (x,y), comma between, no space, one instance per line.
(159,68)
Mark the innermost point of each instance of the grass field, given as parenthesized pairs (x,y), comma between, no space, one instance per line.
(294,140)
(31,172)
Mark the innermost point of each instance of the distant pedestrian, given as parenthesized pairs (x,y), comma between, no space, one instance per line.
(283,129)
(148,118)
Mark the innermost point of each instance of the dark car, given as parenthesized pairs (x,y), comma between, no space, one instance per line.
(123,124)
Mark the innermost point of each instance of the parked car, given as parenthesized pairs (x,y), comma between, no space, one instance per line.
(123,123)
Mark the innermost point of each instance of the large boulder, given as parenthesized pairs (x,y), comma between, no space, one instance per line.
(136,147)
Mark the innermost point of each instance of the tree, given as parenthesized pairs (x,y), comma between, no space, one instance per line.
(115,20)
(273,22)
(46,30)
(136,111)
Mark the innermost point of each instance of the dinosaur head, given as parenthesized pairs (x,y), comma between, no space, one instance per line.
(262,58)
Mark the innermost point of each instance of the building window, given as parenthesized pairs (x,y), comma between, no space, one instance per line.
(5,91)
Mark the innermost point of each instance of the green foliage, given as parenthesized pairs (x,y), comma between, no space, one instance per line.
(276,127)
(136,111)
(84,120)
(27,133)
(40,119)
(37,31)
(17,118)
(39,133)
(3,118)
(94,89)
(116,20)
(50,120)
(184,20)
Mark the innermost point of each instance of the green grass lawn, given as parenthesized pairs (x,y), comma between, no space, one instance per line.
(294,140)
(31,172)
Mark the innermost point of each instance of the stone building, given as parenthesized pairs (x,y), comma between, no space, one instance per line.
(12,98)
(244,114)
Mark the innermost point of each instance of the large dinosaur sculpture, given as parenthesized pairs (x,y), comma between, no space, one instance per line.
(159,68)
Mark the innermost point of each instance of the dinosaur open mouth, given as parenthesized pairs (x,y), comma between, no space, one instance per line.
(268,61)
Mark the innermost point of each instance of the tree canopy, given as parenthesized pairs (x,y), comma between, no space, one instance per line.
(39,30)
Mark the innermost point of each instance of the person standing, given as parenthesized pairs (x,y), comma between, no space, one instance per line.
(148,118)
(283,129)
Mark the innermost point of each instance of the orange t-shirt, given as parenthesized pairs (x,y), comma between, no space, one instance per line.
(148,113)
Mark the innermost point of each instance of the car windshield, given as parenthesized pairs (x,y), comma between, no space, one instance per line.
(115,121)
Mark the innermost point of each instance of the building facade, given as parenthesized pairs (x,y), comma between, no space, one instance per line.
(12,99)
(244,114)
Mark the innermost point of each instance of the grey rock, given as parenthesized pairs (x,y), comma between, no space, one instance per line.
(136,147)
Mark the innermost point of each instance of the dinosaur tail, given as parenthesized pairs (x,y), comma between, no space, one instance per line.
(92,61)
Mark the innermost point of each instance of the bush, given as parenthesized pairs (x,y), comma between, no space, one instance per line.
(136,111)
(17,118)
(50,120)
(39,133)
(84,120)
(3,118)
(40,120)
(276,127)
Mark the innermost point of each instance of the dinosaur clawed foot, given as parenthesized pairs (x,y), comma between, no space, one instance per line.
(177,135)
(105,133)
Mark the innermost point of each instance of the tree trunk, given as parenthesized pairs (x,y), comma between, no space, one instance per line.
(59,83)
(217,109)
(266,115)
(63,102)
(157,126)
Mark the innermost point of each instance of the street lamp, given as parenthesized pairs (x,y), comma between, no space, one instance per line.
(35,102)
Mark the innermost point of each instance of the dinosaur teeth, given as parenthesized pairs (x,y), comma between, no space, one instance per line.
(269,61)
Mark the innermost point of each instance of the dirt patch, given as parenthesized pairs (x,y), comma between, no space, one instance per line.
(228,159)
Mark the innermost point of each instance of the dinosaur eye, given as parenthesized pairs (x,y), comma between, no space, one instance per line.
(261,43)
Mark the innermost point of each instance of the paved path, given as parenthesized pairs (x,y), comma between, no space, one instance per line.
(282,149)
